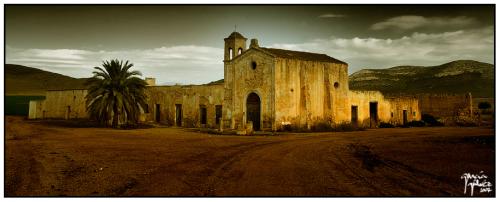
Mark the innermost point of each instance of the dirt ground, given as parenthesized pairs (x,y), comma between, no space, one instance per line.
(44,159)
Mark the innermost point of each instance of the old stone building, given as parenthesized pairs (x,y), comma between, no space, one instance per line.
(67,104)
(442,105)
(272,87)
(185,106)
(264,89)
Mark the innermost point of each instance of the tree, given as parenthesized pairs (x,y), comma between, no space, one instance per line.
(115,94)
(484,105)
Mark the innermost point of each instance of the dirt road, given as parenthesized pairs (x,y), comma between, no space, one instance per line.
(47,159)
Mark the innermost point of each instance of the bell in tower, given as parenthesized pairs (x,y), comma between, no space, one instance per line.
(234,45)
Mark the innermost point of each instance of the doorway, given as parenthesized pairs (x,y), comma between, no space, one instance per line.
(68,112)
(178,115)
(373,114)
(203,115)
(354,115)
(218,114)
(157,113)
(253,110)
(405,117)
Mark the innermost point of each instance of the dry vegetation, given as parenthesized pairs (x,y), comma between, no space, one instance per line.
(54,159)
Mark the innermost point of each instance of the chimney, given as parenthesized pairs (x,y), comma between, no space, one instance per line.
(254,43)
(150,81)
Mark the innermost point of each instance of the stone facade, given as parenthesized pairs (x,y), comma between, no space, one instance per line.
(263,89)
(67,104)
(291,91)
(186,106)
(372,108)
(445,106)
(297,88)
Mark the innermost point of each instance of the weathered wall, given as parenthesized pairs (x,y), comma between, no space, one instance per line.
(232,45)
(240,79)
(305,94)
(150,81)
(362,100)
(442,105)
(36,109)
(190,97)
(390,110)
(291,91)
(302,93)
(67,104)
(399,104)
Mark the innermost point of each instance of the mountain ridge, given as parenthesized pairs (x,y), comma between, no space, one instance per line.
(23,80)
(454,77)
(460,76)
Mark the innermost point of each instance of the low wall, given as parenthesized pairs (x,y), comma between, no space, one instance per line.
(164,101)
(389,109)
(59,104)
(446,105)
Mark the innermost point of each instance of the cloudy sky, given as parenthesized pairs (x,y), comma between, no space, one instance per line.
(183,44)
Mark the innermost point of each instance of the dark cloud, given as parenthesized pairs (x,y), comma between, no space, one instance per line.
(179,64)
(183,44)
(331,15)
(415,49)
(409,22)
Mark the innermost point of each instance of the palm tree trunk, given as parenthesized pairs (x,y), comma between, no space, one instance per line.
(115,117)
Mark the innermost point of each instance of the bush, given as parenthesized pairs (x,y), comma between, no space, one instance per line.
(465,121)
(430,120)
(287,127)
(347,126)
(416,124)
(72,123)
(385,125)
(130,126)
(322,127)
(484,105)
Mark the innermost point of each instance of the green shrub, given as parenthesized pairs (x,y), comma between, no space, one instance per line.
(347,126)
(484,105)
(322,127)
(287,127)
(430,120)
(385,125)
(416,124)
(465,121)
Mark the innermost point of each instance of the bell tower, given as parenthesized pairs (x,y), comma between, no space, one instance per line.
(234,45)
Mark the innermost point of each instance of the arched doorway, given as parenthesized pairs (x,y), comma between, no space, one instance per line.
(253,110)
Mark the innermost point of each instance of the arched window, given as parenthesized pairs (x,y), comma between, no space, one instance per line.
(254,65)
(240,51)
(230,53)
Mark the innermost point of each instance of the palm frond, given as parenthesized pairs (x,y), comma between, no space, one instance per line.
(115,95)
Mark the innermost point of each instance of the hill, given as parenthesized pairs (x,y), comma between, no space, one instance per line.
(459,76)
(220,81)
(22,80)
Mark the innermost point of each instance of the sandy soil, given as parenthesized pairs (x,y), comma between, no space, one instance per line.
(49,159)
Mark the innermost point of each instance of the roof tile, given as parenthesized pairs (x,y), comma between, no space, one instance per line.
(301,55)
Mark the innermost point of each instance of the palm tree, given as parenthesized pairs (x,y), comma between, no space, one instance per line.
(115,94)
